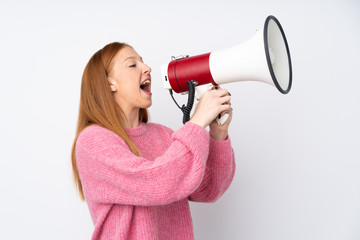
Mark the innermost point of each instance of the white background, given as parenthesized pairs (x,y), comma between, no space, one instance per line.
(298,155)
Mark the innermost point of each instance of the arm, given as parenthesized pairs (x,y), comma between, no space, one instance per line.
(220,168)
(219,173)
(111,173)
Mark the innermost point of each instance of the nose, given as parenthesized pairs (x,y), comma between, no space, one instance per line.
(147,69)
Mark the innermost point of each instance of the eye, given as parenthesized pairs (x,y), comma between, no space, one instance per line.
(133,65)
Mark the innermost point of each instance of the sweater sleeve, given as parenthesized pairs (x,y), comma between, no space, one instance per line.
(219,173)
(111,173)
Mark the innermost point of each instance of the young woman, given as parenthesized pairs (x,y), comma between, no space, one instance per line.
(137,177)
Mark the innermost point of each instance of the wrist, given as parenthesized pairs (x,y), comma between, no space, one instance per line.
(198,122)
(219,136)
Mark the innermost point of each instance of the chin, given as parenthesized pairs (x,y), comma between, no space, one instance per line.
(146,105)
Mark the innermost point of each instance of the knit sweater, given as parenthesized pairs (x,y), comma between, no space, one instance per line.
(131,197)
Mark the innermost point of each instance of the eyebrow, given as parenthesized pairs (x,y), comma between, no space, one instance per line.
(132,57)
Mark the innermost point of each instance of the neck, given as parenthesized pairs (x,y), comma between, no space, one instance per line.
(132,118)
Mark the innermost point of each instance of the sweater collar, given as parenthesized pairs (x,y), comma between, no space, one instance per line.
(137,131)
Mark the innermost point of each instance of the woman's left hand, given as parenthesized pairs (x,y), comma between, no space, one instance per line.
(220,132)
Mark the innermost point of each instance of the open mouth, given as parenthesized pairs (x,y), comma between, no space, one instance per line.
(145,86)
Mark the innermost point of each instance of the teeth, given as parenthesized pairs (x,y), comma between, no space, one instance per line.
(147,82)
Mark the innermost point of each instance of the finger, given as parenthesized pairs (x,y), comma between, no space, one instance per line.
(225,108)
(217,87)
(214,87)
(223,92)
(225,99)
(224,113)
(218,93)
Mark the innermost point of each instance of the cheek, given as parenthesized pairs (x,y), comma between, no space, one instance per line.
(128,85)
(129,93)
(129,88)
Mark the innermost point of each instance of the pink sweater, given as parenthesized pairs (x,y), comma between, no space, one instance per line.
(146,197)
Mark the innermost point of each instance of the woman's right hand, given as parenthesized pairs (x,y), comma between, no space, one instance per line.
(210,105)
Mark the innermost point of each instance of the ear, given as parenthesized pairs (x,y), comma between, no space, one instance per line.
(113,86)
(112,83)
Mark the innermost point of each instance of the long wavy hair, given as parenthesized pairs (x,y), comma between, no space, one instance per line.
(98,105)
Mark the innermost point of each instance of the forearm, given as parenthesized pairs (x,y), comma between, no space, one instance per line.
(219,173)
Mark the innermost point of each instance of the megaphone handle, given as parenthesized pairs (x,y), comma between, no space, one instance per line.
(200,90)
(222,119)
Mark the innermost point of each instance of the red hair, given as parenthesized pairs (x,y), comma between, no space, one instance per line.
(98,105)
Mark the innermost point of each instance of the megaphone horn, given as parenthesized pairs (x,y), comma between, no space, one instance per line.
(265,58)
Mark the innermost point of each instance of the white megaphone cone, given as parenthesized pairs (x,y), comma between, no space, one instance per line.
(264,58)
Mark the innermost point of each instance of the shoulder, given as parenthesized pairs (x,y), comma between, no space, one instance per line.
(95,136)
(95,131)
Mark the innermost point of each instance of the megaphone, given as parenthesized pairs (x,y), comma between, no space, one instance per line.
(264,58)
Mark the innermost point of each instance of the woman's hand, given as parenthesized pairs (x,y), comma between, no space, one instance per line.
(210,105)
(220,132)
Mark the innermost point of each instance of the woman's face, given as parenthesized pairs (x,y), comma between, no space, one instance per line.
(130,80)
